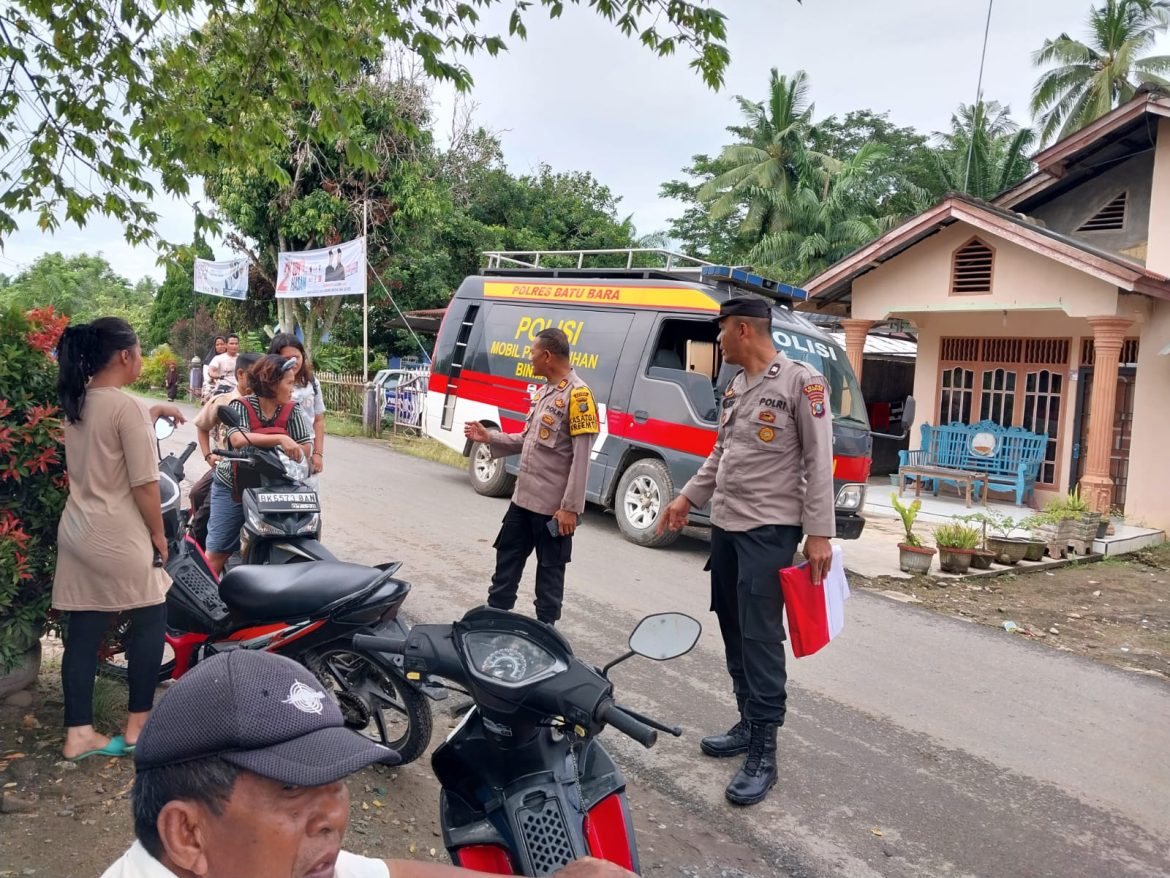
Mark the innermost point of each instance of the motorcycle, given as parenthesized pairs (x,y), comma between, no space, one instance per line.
(308,612)
(526,785)
(282,515)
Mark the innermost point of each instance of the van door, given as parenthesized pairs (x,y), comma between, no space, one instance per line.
(673,407)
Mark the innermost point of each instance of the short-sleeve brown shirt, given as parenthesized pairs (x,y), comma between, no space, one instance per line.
(104,553)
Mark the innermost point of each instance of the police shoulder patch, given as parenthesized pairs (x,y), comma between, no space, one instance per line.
(582,412)
(815,392)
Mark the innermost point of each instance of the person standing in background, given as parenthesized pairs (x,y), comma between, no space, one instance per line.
(223,366)
(306,394)
(172,381)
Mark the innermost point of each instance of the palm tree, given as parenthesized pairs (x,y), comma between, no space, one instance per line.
(985,152)
(1093,77)
(770,160)
(825,217)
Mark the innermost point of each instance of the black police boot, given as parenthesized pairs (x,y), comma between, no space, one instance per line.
(758,775)
(731,743)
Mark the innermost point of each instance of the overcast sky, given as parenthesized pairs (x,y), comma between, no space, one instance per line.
(577,95)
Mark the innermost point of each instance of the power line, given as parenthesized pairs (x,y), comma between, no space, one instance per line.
(978,98)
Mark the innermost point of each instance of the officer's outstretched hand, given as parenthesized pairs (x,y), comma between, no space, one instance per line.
(475,431)
(675,515)
(818,551)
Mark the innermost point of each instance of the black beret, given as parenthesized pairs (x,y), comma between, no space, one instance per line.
(745,306)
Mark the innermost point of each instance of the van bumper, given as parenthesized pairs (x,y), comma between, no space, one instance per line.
(849,526)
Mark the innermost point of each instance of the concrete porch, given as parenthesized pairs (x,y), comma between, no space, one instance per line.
(875,553)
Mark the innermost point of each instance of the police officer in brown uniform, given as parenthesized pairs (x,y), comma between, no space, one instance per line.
(769,480)
(554,451)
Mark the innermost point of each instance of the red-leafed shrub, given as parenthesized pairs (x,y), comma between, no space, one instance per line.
(33,484)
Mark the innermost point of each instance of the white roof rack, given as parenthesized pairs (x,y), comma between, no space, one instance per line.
(635,257)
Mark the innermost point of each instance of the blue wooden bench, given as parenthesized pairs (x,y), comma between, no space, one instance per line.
(1010,457)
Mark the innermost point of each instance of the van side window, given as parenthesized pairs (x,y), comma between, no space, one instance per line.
(686,353)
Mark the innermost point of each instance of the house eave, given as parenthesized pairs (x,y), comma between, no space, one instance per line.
(835,283)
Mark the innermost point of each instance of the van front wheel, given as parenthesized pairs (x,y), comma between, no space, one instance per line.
(488,475)
(643,492)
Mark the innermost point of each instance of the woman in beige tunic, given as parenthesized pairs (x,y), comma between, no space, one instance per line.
(110,530)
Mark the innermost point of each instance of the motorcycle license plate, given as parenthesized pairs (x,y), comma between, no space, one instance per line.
(270,501)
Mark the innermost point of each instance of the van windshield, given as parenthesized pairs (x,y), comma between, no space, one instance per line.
(828,359)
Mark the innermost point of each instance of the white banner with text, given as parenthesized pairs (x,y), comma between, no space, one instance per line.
(228,279)
(339,270)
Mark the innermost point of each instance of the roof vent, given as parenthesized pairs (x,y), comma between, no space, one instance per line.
(1110,218)
(971,269)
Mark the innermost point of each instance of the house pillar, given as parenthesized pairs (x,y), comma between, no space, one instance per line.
(1096,484)
(855,333)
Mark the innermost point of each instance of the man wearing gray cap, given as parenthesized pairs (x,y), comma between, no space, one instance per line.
(241,774)
(769,480)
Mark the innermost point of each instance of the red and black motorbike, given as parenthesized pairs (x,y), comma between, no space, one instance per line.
(308,612)
(526,786)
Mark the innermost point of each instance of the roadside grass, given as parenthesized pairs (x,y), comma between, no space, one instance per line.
(340,424)
(416,446)
(428,449)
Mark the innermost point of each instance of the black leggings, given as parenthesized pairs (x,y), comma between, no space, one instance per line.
(143,647)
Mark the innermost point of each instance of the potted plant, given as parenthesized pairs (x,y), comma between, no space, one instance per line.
(1007,549)
(1084,520)
(913,556)
(1052,527)
(981,558)
(957,543)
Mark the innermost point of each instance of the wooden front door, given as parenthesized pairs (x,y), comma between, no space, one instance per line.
(1122,430)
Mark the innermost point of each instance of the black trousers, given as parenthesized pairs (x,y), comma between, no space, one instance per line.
(521,532)
(144,649)
(745,596)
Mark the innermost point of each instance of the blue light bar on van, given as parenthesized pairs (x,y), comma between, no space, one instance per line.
(754,282)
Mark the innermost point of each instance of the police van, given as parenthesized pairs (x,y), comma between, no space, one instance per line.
(645,342)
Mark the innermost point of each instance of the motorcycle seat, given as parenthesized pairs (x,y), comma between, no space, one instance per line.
(261,592)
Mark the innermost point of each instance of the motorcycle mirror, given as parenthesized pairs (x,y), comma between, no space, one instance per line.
(163,428)
(665,636)
(227,417)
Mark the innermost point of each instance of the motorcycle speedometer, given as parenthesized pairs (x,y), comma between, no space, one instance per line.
(509,659)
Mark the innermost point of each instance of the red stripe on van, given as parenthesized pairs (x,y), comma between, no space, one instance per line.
(511,394)
(851,469)
(662,434)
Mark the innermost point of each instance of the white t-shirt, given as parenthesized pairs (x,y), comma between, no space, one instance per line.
(309,398)
(225,366)
(137,863)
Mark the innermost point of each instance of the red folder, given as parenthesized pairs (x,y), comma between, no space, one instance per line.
(815,611)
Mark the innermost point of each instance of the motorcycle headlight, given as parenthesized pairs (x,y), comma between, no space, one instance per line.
(509,659)
(851,497)
(259,525)
(312,525)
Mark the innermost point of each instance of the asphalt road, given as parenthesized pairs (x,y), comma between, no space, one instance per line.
(915,745)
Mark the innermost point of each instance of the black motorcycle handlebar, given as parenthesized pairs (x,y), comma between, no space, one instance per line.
(230,454)
(613,715)
(191,446)
(395,645)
